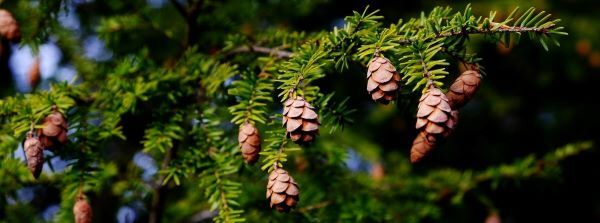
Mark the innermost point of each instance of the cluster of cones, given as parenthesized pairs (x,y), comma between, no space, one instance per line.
(302,126)
(437,113)
(10,31)
(52,135)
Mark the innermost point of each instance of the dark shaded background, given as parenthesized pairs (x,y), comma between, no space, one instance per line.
(531,101)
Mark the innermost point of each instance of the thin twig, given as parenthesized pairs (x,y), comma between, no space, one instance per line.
(261,49)
(501,29)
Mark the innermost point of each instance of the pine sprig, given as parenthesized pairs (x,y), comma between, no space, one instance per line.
(304,67)
(277,146)
(344,41)
(334,115)
(220,189)
(253,94)
(420,66)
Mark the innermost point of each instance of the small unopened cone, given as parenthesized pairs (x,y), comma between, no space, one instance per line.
(34,73)
(9,28)
(82,211)
(377,171)
(493,218)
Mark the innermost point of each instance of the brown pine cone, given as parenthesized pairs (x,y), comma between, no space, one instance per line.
(424,142)
(34,73)
(383,80)
(301,120)
(82,211)
(434,120)
(249,141)
(9,28)
(34,153)
(55,130)
(282,191)
(464,88)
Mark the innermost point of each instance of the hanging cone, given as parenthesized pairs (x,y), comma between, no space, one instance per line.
(34,73)
(249,141)
(54,132)
(9,28)
(464,88)
(34,153)
(82,210)
(493,218)
(435,120)
(301,120)
(422,144)
(383,80)
(282,191)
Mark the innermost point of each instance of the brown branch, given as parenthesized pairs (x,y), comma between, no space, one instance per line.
(260,49)
(464,32)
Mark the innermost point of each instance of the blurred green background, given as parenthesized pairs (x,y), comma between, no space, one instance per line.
(531,101)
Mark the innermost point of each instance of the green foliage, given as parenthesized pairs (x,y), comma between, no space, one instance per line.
(176,90)
(254,95)
(420,66)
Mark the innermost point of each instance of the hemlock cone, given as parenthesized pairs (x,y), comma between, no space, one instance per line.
(433,120)
(162,89)
(422,144)
(9,28)
(383,80)
(34,73)
(301,121)
(34,153)
(464,88)
(54,132)
(249,141)
(82,211)
(282,191)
